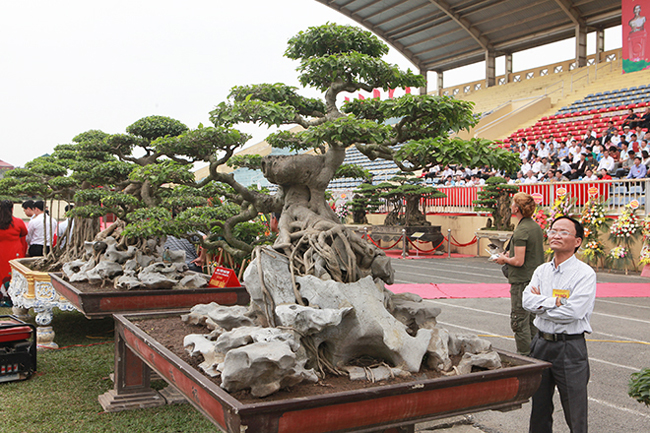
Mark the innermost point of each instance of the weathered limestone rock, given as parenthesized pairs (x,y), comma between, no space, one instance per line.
(489,360)
(200,343)
(174,256)
(107,269)
(82,275)
(194,280)
(229,317)
(153,280)
(264,368)
(128,281)
(71,268)
(277,279)
(309,320)
(415,314)
(159,276)
(255,334)
(438,350)
(371,330)
(467,343)
(143,259)
(113,255)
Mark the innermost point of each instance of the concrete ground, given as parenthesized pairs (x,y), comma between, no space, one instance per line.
(619,346)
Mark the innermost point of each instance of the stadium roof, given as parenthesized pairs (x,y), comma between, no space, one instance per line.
(438,35)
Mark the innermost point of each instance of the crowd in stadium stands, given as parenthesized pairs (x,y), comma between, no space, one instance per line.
(618,152)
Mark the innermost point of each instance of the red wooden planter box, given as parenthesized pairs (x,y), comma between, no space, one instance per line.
(103,304)
(384,408)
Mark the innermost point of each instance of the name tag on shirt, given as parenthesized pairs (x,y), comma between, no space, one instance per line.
(561,293)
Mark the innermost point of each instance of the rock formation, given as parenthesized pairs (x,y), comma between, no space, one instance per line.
(291,333)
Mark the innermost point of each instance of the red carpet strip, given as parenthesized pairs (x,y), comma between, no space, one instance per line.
(451,291)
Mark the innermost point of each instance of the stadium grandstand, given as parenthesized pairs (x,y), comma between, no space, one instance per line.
(558,101)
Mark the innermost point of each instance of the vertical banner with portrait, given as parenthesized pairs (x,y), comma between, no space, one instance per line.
(636,53)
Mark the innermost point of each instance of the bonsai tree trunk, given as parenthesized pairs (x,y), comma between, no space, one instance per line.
(502,215)
(414,217)
(309,232)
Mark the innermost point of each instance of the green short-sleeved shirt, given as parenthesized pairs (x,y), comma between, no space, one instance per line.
(527,234)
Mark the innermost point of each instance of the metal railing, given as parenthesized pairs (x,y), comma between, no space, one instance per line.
(614,193)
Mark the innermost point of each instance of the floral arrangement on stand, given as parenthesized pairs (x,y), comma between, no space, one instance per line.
(342,212)
(623,231)
(644,255)
(563,206)
(594,221)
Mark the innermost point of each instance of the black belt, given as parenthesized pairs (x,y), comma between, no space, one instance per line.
(560,337)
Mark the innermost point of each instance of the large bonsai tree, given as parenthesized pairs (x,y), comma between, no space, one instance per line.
(336,59)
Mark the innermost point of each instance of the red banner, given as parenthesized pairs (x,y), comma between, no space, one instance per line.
(635,53)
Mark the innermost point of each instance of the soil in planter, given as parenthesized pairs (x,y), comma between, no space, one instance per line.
(170,332)
(107,286)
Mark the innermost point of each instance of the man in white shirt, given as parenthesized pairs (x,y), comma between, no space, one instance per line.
(607,162)
(530,177)
(562,294)
(590,176)
(40,231)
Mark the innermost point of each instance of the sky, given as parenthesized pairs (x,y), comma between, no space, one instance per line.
(69,66)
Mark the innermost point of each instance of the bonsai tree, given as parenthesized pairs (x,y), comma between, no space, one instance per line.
(496,198)
(404,193)
(336,59)
(365,200)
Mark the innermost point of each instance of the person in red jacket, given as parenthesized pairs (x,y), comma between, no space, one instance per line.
(12,246)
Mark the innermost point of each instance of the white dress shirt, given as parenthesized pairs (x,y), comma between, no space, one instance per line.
(574,276)
(38,230)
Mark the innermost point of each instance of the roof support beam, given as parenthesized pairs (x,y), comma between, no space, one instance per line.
(581,46)
(570,10)
(490,68)
(464,23)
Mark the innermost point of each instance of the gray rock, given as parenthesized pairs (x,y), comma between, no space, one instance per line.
(255,334)
(264,368)
(490,360)
(308,320)
(375,374)
(438,350)
(82,275)
(143,259)
(371,330)
(71,268)
(230,317)
(194,280)
(131,266)
(201,344)
(277,279)
(112,254)
(174,256)
(151,280)
(382,269)
(467,343)
(108,270)
(415,315)
(128,282)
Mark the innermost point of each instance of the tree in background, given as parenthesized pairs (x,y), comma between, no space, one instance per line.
(496,198)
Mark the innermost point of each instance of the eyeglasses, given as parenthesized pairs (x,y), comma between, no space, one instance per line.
(562,233)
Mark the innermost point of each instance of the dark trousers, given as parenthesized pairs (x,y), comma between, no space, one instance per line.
(35,250)
(570,373)
(521,321)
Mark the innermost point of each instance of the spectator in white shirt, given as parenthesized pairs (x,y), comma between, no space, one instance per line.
(40,231)
(607,162)
(530,177)
(590,176)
